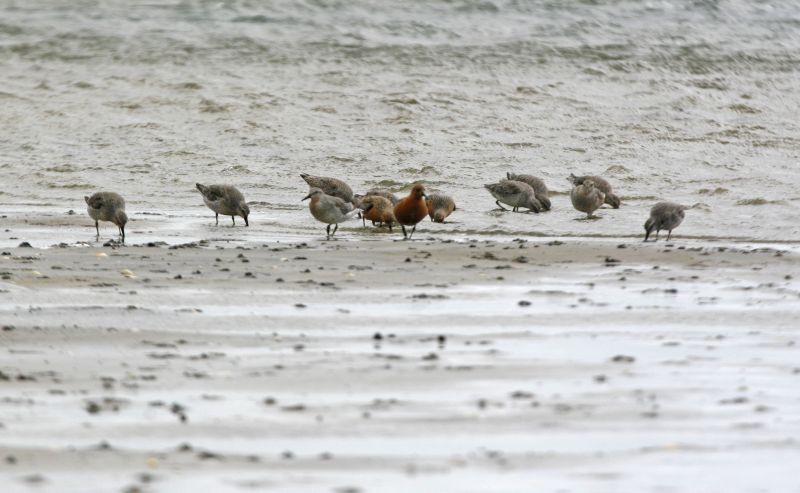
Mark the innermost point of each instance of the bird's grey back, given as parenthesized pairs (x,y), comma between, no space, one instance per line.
(228,193)
(440,200)
(333,204)
(668,214)
(535,182)
(511,187)
(110,201)
(599,182)
(586,199)
(331,186)
(383,193)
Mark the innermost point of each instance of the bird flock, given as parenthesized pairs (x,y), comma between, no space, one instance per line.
(332,201)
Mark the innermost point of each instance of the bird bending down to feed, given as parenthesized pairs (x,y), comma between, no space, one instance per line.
(587,198)
(601,184)
(514,193)
(328,209)
(411,210)
(539,188)
(330,186)
(107,206)
(440,206)
(225,200)
(377,209)
(664,215)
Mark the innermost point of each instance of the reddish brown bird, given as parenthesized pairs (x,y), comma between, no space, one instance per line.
(411,210)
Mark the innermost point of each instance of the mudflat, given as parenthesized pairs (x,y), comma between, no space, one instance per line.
(390,366)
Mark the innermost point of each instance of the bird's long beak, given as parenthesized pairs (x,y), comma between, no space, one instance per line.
(306,197)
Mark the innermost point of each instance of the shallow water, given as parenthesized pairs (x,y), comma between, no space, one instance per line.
(692,101)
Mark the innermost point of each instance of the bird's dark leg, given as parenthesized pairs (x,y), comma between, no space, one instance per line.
(328,231)
(500,206)
(669,234)
(216,216)
(405,236)
(233,218)
(657,231)
(122,232)
(335,228)
(412,231)
(97,228)
(364,220)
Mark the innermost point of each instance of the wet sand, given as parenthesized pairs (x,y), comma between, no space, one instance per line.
(389,366)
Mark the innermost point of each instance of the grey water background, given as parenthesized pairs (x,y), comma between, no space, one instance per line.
(691,101)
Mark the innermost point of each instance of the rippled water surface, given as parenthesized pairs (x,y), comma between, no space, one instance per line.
(693,101)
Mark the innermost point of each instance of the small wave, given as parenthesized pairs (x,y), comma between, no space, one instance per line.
(594,72)
(62,168)
(401,100)
(743,108)
(617,169)
(325,109)
(126,105)
(238,168)
(255,19)
(478,7)
(627,198)
(425,170)
(209,106)
(178,153)
(759,201)
(70,186)
(10,30)
(388,184)
(520,145)
(527,90)
(188,86)
(716,191)
(8,95)
(147,125)
(716,84)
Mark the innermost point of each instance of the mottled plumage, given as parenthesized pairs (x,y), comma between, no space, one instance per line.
(664,215)
(377,209)
(586,197)
(328,209)
(225,200)
(440,206)
(383,193)
(107,206)
(514,193)
(330,186)
(601,184)
(412,209)
(539,188)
